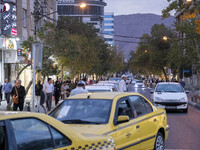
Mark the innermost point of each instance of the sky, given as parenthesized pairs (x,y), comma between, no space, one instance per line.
(123,7)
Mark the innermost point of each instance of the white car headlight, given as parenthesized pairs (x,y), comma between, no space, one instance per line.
(184,99)
(158,99)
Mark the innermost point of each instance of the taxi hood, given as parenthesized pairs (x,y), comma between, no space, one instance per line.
(90,129)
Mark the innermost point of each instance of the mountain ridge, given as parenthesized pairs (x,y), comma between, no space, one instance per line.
(135,25)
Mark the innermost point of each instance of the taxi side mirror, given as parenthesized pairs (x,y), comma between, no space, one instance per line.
(152,91)
(122,119)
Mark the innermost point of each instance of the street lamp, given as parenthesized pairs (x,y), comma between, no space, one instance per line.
(165,38)
(188,1)
(145,51)
(83,5)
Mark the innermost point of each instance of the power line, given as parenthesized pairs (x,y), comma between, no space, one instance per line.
(126,41)
(124,36)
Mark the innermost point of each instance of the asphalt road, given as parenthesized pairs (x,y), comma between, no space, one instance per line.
(184,128)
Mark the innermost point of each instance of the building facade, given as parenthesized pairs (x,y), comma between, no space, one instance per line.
(25,27)
(109,30)
(92,14)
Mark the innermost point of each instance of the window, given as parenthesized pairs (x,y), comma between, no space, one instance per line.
(108,16)
(124,109)
(109,32)
(148,106)
(3,139)
(108,27)
(94,19)
(60,140)
(138,105)
(108,21)
(32,134)
(24,17)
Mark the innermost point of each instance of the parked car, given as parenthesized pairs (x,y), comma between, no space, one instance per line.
(129,118)
(170,95)
(100,88)
(34,131)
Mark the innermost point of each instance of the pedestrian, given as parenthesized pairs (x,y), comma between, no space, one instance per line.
(7,88)
(79,89)
(73,85)
(64,87)
(122,84)
(57,91)
(38,90)
(0,92)
(182,83)
(48,89)
(68,92)
(18,92)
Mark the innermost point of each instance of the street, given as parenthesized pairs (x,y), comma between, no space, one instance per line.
(184,128)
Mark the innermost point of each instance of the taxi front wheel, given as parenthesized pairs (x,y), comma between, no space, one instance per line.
(159,143)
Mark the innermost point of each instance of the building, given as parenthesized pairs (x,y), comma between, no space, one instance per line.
(25,27)
(92,14)
(109,30)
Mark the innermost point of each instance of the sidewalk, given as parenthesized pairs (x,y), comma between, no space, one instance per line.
(3,106)
(192,101)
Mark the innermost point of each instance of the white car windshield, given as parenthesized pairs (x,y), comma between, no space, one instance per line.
(174,88)
(83,111)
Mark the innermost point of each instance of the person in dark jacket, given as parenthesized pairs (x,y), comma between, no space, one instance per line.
(57,91)
(38,90)
(18,91)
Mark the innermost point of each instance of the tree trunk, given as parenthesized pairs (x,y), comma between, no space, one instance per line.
(22,70)
(165,74)
(28,87)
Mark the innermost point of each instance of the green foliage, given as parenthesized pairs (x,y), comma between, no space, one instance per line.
(77,46)
(151,56)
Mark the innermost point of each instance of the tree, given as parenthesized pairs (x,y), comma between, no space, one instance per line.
(152,53)
(77,46)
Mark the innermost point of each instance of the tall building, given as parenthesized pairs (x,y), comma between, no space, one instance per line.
(109,30)
(92,14)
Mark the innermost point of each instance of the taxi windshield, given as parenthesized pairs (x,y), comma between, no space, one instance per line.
(83,111)
(173,88)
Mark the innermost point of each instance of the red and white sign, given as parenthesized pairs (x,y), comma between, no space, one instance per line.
(2,8)
(14,32)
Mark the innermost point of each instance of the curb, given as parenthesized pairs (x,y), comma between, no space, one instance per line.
(194,105)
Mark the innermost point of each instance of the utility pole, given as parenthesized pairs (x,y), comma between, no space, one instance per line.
(38,14)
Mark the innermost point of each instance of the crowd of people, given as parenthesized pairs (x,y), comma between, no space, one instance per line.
(44,93)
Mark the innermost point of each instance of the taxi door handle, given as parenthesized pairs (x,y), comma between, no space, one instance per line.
(128,134)
(155,120)
(137,127)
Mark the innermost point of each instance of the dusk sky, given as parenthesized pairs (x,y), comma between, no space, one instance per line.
(122,7)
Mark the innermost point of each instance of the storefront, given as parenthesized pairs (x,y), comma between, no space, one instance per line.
(8,59)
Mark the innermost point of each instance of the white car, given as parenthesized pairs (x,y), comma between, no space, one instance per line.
(139,84)
(99,88)
(170,95)
(109,83)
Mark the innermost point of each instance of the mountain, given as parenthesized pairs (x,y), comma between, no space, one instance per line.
(135,25)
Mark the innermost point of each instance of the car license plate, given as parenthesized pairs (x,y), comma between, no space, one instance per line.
(170,107)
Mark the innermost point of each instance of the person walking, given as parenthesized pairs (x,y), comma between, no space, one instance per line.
(122,84)
(57,90)
(18,92)
(79,89)
(38,90)
(7,88)
(64,88)
(0,92)
(47,88)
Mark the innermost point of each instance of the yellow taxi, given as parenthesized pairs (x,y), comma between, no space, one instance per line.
(131,119)
(31,131)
